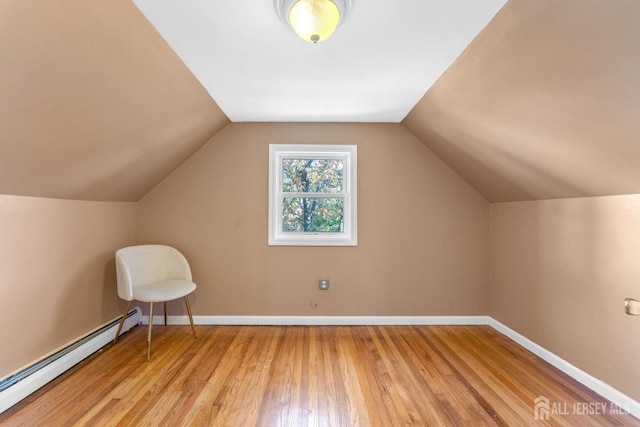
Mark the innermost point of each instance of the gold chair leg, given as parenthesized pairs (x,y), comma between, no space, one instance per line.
(165,313)
(124,316)
(193,329)
(149,332)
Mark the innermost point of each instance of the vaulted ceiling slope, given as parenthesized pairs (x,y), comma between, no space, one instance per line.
(93,103)
(545,103)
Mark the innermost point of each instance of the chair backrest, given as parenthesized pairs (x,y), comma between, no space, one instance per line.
(144,264)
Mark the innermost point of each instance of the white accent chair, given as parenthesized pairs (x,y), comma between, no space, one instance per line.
(153,273)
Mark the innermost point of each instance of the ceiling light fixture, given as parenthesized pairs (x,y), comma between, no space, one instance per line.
(313,20)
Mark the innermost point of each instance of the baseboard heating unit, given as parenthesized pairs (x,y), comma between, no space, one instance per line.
(19,385)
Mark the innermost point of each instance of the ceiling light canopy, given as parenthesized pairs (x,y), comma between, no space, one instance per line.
(313,20)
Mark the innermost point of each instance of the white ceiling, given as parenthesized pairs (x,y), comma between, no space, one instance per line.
(375,68)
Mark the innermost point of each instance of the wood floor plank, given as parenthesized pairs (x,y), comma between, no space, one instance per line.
(314,376)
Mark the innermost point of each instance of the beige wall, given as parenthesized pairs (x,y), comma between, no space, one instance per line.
(423,232)
(58,274)
(560,270)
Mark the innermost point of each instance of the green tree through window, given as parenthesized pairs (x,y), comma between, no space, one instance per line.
(307,185)
(313,195)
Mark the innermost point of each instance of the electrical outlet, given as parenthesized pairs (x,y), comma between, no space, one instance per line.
(323,284)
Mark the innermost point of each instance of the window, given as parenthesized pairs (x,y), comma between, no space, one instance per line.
(312,195)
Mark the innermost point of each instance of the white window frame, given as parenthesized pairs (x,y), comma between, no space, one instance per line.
(349,155)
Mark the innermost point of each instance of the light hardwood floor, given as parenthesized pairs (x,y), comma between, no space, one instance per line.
(316,376)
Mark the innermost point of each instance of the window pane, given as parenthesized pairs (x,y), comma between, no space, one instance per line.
(312,175)
(312,214)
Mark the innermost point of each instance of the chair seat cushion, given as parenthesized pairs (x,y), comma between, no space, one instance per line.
(165,290)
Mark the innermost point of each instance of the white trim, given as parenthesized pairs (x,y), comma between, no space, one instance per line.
(321,320)
(349,155)
(589,381)
(41,377)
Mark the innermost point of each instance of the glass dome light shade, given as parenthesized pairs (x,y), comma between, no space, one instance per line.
(314,20)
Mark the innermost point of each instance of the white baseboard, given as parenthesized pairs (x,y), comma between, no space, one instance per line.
(321,320)
(614,396)
(24,387)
